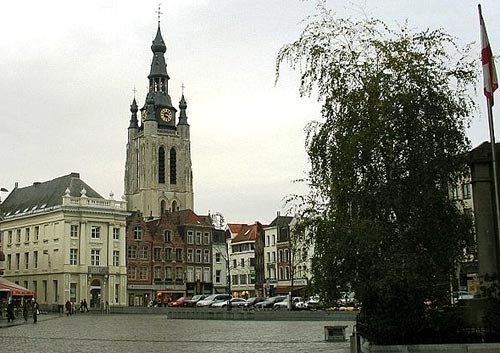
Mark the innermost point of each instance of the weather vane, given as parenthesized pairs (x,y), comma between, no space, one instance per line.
(182,88)
(159,12)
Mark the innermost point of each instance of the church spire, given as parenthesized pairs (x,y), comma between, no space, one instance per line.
(133,119)
(182,114)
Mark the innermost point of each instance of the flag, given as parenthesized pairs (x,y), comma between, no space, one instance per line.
(489,72)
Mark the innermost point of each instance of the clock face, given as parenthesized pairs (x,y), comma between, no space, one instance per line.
(166,115)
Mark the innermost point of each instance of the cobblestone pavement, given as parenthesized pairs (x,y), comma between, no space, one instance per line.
(155,333)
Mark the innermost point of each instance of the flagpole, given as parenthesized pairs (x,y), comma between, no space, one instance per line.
(495,182)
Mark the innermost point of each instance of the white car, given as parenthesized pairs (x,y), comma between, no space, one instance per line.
(284,303)
(234,302)
(208,301)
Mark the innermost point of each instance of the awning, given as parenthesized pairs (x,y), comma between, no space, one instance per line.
(287,289)
(14,289)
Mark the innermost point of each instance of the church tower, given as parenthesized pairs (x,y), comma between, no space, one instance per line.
(158,174)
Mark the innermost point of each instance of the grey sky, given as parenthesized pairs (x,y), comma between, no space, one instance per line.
(67,71)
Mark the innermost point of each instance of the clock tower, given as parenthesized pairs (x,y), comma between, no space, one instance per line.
(158,173)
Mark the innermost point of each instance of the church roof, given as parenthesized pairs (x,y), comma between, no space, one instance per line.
(43,195)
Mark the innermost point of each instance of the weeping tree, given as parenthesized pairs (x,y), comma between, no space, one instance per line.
(390,142)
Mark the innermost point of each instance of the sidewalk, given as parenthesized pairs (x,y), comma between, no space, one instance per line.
(20,320)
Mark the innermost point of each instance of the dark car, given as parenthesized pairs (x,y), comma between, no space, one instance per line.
(253,300)
(194,300)
(269,302)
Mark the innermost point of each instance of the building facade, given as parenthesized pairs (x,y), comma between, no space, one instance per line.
(168,257)
(220,262)
(158,173)
(66,242)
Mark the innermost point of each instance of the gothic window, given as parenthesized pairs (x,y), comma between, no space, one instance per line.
(174,206)
(161,165)
(163,206)
(173,166)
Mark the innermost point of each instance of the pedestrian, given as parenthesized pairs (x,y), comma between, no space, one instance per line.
(36,310)
(106,307)
(85,306)
(68,307)
(10,312)
(25,310)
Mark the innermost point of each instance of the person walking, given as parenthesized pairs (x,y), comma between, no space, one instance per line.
(68,307)
(85,306)
(36,310)
(25,310)
(10,312)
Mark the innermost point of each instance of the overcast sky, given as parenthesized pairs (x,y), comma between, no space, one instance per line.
(68,70)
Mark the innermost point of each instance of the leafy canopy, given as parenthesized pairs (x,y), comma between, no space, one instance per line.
(391,141)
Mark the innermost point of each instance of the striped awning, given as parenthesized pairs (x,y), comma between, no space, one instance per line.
(14,289)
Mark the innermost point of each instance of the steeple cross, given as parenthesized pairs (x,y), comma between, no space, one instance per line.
(134,90)
(182,87)
(159,12)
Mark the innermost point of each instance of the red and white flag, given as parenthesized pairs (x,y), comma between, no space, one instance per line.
(489,72)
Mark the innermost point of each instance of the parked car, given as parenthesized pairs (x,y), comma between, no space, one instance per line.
(269,302)
(284,303)
(212,299)
(253,300)
(236,302)
(178,302)
(194,300)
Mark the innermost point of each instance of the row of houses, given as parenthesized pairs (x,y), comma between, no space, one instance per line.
(63,240)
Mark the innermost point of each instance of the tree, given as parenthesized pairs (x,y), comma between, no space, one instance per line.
(395,104)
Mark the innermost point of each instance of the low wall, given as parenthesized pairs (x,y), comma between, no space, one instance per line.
(238,314)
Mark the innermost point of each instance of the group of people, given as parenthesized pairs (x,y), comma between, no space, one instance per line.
(83,306)
(26,306)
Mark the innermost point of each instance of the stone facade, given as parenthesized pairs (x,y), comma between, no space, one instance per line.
(64,241)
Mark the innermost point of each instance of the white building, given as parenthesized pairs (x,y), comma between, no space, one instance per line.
(65,241)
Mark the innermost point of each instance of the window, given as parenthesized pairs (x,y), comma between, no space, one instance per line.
(267,240)
(131,252)
(252,261)
(137,233)
(189,238)
(35,259)
(206,274)
(168,254)
(167,236)
(198,255)
(143,273)
(95,232)
(18,259)
(37,232)
(198,237)
(157,273)
(454,193)
(274,256)
(18,236)
(161,165)
(73,256)
(56,289)
(466,191)
(243,279)
(131,272)
(190,274)
(198,274)
(143,254)
(26,235)
(234,263)
(268,257)
(178,254)
(117,292)
(9,262)
(242,262)
(235,279)
(173,166)
(73,231)
(116,258)
(206,238)
(217,276)
(9,236)
(168,273)
(218,257)
(26,260)
(273,240)
(44,284)
(157,254)
(280,255)
(189,255)
(206,256)
(178,274)
(95,257)
(116,233)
